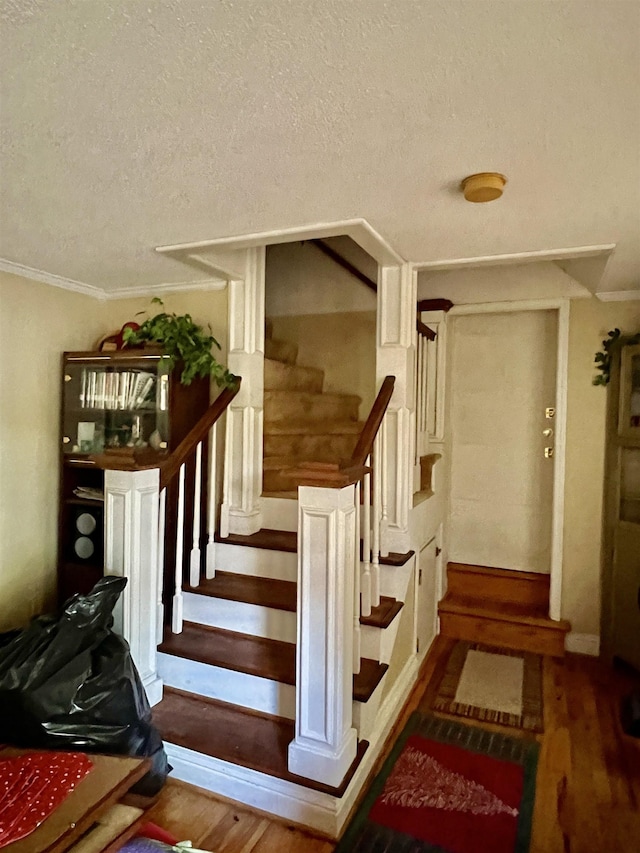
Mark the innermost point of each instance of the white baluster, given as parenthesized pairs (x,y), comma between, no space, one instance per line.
(212,504)
(365,588)
(160,569)
(384,512)
(176,621)
(375,527)
(194,560)
(425,393)
(420,399)
(357,644)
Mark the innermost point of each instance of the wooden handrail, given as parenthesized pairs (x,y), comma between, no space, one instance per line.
(170,465)
(345,264)
(364,445)
(425,331)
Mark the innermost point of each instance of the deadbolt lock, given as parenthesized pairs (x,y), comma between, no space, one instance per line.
(548,452)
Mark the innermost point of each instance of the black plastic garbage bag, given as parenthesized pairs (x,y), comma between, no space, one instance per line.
(68,682)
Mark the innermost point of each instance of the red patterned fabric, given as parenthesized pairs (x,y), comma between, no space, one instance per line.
(459,800)
(32,786)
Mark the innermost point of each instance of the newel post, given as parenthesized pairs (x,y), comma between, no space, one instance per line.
(325,742)
(131,551)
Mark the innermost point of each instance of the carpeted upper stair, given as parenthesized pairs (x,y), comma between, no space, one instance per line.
(302,423)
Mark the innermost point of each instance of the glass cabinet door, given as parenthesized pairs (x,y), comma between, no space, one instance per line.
(629,412)
(108,405)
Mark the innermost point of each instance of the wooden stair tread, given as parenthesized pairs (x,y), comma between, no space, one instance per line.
(489,571)
(383,615)
(236,735)
(500,611)
(280,595)
(273,540)
(258,656)
(287,540)
(250,589)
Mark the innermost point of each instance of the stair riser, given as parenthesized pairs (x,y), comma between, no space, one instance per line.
(239,616)
(284,351)
(377,643)
(274,624)
(510,635)
(239,688)
(285,405)
(280,514)
(319,448)
(290,377)
(227,685)
(365,714)
(510,588)
(279,565)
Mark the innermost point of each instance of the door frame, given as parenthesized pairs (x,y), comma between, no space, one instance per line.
(561,306)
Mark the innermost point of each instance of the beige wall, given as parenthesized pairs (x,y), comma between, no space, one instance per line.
(590,320)
(37,323)
(299,279)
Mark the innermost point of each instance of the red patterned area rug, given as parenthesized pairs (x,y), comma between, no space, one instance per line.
(492,685)
(448,788)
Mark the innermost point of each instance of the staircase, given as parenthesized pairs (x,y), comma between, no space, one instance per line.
(302,423)
(227,715)
(500,608)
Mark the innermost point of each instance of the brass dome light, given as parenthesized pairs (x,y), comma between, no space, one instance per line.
(484,186)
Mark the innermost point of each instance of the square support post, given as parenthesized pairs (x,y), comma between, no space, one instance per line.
(325,744)
(131,551)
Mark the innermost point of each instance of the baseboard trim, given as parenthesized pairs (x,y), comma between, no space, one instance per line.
(582,644)
(295,803)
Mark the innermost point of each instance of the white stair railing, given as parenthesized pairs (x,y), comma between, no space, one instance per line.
(147,511)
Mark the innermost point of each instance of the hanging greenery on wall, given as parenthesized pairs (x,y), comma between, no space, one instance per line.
(603,358)
(183,341)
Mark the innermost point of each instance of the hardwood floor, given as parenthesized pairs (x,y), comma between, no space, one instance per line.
(588,783)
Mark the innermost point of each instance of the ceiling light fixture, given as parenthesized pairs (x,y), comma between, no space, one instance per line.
(485,186)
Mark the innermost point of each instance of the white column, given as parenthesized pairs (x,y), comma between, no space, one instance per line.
(396,356)
(325,744)
(243,446)
(131,551)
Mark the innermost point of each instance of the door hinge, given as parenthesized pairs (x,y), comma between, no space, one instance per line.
(419,576)
(418,646)
(438,551)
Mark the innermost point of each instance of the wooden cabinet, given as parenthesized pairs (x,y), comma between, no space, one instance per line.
(112,402)
(621,546)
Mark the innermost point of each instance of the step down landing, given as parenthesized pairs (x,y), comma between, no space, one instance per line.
(501,607)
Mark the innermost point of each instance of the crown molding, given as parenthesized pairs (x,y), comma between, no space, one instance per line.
(619,295)
(517,258)
(52,279)
(168,287)
(106,295)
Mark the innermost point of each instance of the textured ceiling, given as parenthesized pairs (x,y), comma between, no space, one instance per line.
(127,125)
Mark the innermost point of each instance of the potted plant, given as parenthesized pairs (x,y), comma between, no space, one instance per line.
(603,358)
(184,342)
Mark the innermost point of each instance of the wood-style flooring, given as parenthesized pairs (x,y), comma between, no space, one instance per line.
(588,783)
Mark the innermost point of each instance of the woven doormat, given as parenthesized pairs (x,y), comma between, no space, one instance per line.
(493,685)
